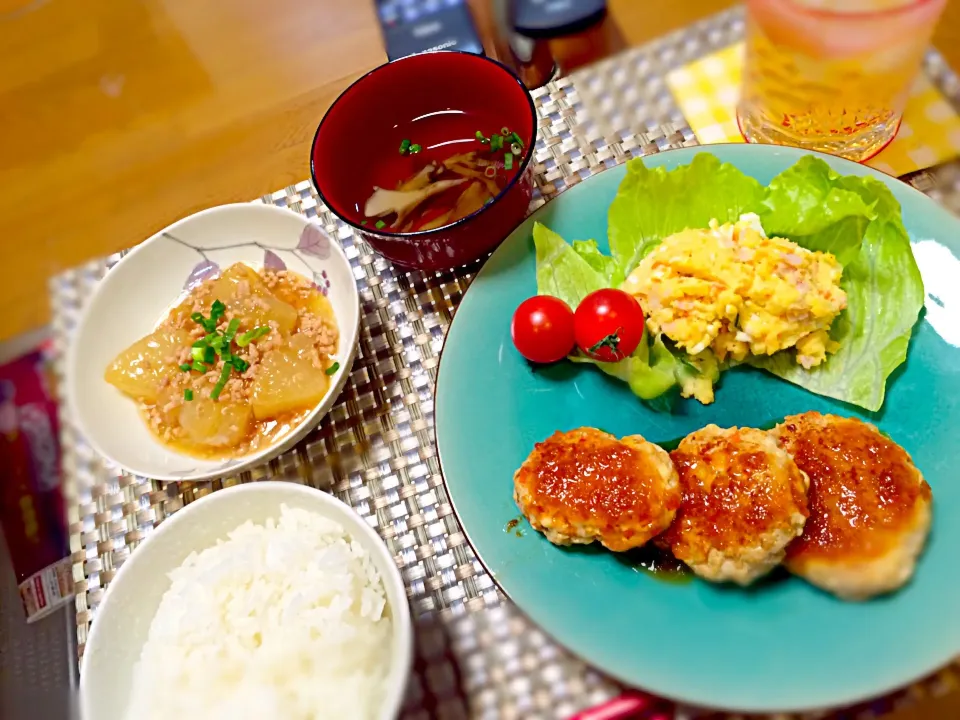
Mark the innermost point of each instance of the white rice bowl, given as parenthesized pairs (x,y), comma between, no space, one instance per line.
(290,614)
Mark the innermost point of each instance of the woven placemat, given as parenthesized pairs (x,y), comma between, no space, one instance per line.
(477,656)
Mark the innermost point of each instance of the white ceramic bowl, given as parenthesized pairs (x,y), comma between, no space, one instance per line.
(137,293)
(123,619)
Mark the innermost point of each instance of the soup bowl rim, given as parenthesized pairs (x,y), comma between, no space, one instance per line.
(528,154)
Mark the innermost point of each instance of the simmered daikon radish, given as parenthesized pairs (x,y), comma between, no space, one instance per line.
(312,300)
(237,363)
(288,379)
(321,307)
(215,424)
(247,298)
(138,369)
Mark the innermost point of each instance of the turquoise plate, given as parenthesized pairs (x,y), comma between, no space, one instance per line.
(782,646)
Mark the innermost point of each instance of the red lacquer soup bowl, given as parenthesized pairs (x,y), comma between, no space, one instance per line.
(438,101)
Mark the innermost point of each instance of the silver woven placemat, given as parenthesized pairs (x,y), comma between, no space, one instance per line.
(477,656)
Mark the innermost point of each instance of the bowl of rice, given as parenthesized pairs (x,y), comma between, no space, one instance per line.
(263,600)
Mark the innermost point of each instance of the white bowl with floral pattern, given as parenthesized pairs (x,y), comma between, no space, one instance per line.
(139,291)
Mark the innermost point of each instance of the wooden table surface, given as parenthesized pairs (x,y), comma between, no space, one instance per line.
(120,116)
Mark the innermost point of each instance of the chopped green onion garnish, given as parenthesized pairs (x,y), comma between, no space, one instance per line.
(231,331)
(404,147)
(380,225)
(496,142)
(188,394)
(516,149)
(224,376)
(210,324)
(333,368)
(363,222)
(481,138)
(414,149)
(203,354)
(490,171)
(223,350)
(504,131)
(251,335)
(516,139)
(508,161)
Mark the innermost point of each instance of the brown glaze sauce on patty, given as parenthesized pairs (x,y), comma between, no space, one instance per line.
(730,491)
(592,475)
(860,483)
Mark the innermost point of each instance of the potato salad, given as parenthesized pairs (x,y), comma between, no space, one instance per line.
(735,291)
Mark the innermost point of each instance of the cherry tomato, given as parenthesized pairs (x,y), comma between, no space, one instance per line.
(542,329)
(608,325)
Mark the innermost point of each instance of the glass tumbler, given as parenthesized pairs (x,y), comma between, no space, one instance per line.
(832,75)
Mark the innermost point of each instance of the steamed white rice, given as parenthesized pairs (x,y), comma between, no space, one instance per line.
(283,620)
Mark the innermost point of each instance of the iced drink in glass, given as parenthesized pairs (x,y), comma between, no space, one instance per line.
(832,75)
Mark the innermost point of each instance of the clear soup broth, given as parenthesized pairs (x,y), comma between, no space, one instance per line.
(438,169)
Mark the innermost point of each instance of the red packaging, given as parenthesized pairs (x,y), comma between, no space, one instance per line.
(31,504)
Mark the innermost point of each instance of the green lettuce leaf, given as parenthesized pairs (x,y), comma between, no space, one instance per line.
(809,204)
(654,203)
(650,371)
(561,271)
(884,298)
(603,264)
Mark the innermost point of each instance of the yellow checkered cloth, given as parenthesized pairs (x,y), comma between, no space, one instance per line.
(707,91)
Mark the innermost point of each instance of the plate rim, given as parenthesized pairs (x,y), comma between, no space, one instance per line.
(834,704)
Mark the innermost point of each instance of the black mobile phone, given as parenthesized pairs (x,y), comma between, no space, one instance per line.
(413,26)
